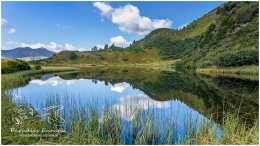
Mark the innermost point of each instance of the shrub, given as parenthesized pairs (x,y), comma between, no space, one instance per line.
(246,14)
(125,59)
(238,58)
(101,57)
(10,66)
(73,56)
(37,67)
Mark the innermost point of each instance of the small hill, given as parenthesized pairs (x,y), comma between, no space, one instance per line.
(103,57)
(25,52)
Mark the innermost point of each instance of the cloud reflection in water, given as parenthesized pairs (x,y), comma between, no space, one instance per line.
(129,105)
(120,87)
(54,81)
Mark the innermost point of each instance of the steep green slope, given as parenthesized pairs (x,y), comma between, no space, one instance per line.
(225,37)
(231,41)
(195,28)
(172,43)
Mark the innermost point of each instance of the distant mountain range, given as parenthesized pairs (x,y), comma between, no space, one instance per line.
(27,52)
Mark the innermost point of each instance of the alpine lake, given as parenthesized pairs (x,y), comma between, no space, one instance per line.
(179,100)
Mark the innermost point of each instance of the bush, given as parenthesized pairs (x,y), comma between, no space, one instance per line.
(37,67)
(101,57)
(125,59)
(246,14)
(73,56)
(238,58)
(10,66)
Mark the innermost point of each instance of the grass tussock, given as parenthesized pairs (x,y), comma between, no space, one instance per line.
(238,132)
(91,129)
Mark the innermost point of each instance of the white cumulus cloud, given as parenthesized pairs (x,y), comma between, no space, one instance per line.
(129,19)
(70,47)
(105,9)
(12,30)
(119,41)
(52,46)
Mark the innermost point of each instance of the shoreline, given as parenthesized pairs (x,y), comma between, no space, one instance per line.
(241,70)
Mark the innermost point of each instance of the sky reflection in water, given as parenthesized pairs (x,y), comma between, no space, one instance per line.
(77,94)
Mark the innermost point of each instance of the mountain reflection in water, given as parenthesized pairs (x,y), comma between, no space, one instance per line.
(171,96)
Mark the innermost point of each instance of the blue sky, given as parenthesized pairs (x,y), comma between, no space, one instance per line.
(81,25)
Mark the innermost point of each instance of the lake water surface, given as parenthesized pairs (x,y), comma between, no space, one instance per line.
(174,97)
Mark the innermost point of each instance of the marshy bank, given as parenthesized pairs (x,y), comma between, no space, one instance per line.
(251,70)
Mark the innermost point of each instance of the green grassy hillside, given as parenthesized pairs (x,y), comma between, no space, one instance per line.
(231,41)
(225,37)
(163,38)
(106,57)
